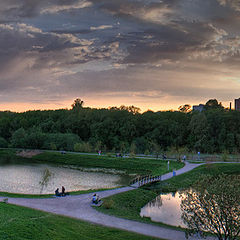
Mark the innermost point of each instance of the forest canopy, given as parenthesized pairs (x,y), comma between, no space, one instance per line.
(125,129)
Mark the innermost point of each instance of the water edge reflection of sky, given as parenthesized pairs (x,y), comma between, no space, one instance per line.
(18,178)
(165,208)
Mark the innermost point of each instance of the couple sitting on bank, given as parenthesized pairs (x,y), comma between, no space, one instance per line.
(61,194)
(96,199)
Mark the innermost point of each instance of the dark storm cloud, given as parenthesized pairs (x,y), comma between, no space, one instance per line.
(83,31)
(167,43)
(15,10)
(74,31)
(234,4)
(172,35)
(47,49)
(23,39)
(128,7)
(170,30)
(31,59)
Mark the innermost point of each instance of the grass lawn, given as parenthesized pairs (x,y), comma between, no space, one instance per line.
(128,204)
(130,165)
(21,223)
(19,195)
(186,180)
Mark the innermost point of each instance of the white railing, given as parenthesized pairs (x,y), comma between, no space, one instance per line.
(140,181)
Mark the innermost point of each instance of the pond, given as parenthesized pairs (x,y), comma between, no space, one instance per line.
(165,208)
(27,178)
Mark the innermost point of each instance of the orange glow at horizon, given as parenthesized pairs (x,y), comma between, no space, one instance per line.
(92,103)
(23,107)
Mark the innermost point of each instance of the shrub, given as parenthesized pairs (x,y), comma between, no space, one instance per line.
(82,147)
(108,203)
(62,141)
(53,146)
(3,143)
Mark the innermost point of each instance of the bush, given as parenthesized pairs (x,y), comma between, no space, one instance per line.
(132,155)
(82,147)
(3,143)
(53,146)
(108,203)
(34,138)
(225,156)
(61,141)
(18,138)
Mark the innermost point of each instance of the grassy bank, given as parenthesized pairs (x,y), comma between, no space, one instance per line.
(128,204)
(188,179)
(20,223)
(8,156)
(19,195)
(129,165)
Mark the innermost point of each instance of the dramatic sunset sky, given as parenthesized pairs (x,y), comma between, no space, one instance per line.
(153,54)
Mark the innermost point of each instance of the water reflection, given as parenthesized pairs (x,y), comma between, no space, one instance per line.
(26,178)
(165,208)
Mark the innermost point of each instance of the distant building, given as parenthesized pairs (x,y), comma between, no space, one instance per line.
(198,108)
(237,104)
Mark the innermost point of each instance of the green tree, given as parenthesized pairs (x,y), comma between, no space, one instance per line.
(132,109)
(213,104)
(185,108)
(60,141)
(19,138)
(35,138)
(156,149)
(133,150)
(198,132)
(3,143)
(77,104)
(213,205)
(46,177)
(82,147)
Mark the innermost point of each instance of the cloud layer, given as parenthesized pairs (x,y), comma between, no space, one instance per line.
(134,51)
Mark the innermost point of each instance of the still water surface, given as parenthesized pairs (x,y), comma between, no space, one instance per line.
(25,178)
(165,208)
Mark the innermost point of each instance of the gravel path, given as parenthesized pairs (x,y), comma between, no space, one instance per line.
(79,207)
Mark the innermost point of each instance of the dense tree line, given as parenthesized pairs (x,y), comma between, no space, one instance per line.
(123,129)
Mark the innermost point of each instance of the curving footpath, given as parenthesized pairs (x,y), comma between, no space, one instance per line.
(79,207)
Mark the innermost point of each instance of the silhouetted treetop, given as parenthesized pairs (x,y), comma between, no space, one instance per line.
(213,104)
(77,104)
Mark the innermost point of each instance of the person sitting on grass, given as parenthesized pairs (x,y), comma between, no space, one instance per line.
(57,193)
(95,199)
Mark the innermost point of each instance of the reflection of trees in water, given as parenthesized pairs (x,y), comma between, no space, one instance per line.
(46,177)
(157,202)
(214,206)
